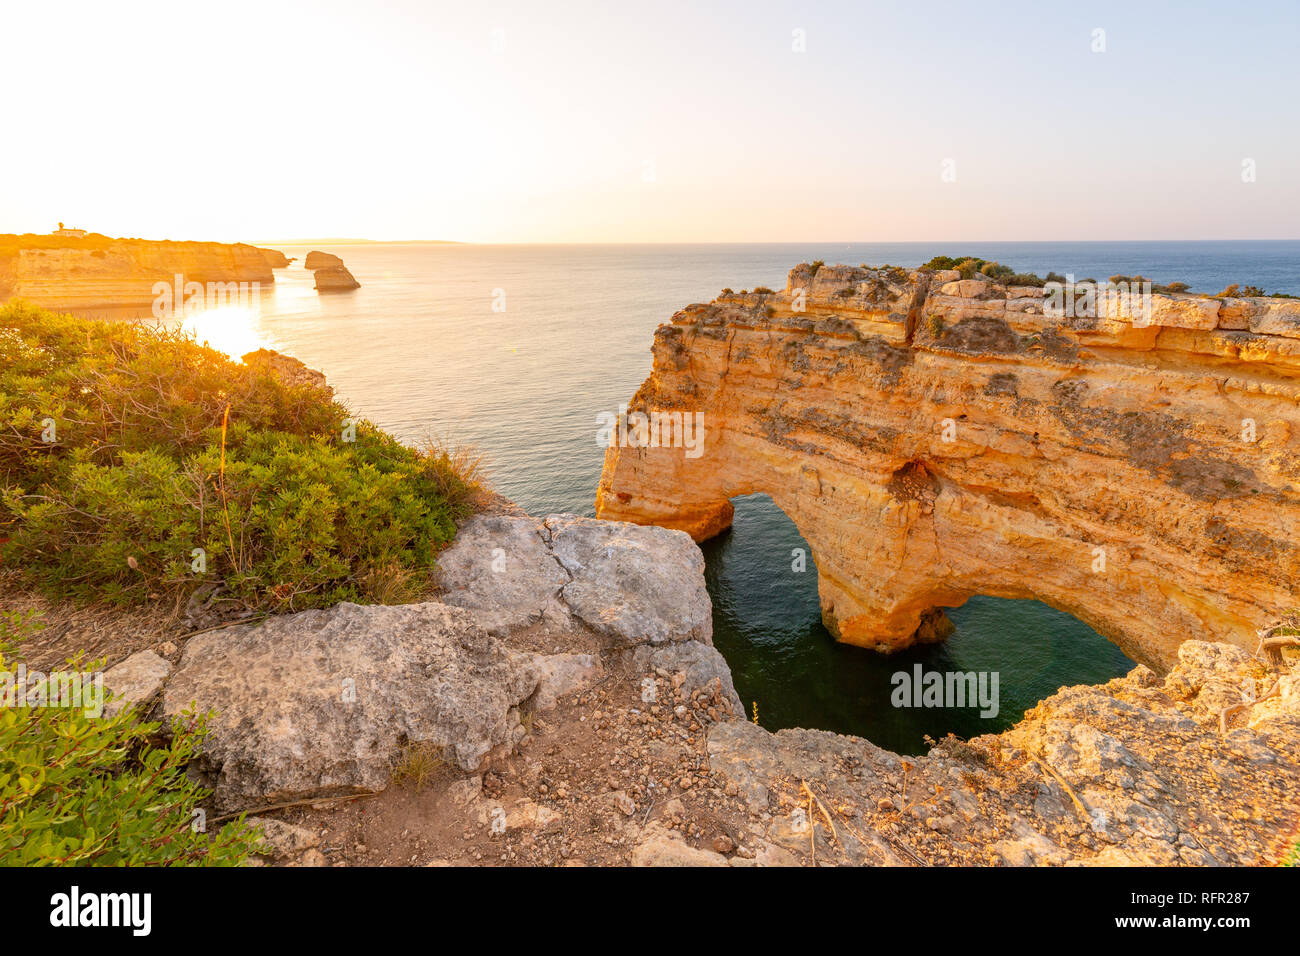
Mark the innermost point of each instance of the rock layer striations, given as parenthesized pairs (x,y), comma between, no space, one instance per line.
(98,273)
(936,438)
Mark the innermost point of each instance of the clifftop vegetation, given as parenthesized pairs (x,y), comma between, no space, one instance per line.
(972,267)
(138,465)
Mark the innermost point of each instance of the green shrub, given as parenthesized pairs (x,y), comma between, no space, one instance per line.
(996,270)
(78,790)
(165,446)
(972,267)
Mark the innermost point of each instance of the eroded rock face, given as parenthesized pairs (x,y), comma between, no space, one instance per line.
(1134,772)
(322,702)
(935,438)
(663,849)
(559,675)
(99,273)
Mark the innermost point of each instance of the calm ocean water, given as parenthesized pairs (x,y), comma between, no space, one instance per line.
(419,350)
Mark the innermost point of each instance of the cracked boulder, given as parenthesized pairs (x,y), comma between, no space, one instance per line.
(635,584)
(323,702)
(501,566)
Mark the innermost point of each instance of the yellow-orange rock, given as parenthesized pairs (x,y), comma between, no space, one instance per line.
(96,272)
(933,439)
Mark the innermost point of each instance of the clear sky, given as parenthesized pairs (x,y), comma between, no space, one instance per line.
(651,121)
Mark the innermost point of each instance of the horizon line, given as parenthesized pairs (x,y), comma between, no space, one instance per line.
(724,242)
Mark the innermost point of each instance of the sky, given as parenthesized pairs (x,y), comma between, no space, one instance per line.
(652,121)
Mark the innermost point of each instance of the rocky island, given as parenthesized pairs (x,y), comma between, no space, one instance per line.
(330,273)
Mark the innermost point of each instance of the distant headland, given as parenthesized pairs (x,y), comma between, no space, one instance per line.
(75,270)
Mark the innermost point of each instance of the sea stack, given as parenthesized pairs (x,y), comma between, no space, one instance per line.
(330,272)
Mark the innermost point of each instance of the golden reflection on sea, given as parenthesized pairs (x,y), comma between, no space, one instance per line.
(233,329)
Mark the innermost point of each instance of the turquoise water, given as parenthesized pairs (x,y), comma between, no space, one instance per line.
(420,351)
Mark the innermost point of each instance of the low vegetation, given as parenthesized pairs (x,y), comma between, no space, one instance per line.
(11,243)
(137,465)
(83,790)
(972,267)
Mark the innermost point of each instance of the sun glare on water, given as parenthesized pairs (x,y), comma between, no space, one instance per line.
(232,329)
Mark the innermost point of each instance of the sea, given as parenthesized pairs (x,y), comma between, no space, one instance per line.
(516,350)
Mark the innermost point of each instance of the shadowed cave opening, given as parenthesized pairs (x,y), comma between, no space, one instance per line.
(767,623)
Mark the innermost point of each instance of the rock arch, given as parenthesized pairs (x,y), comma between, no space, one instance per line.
(934,438)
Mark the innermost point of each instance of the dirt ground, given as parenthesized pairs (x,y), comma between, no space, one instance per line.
(110,633)
(594,776)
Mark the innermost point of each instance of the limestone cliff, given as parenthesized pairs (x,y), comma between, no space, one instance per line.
(101,273)
(934,438)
